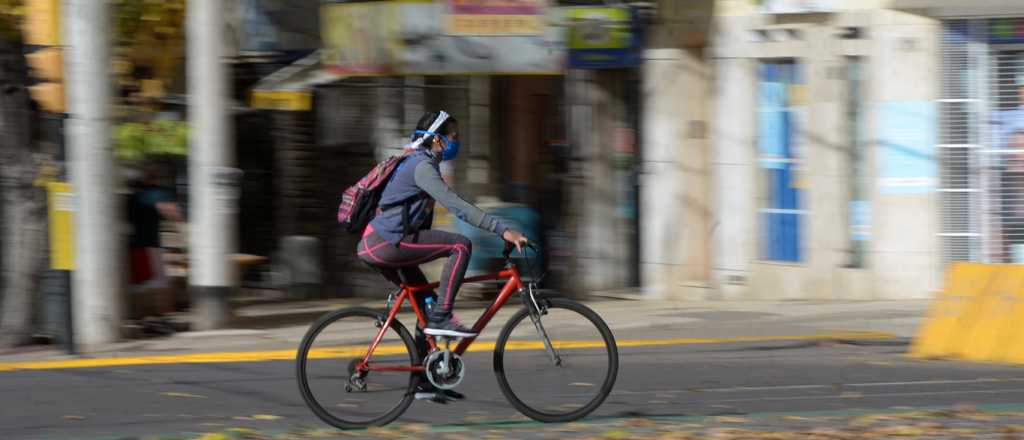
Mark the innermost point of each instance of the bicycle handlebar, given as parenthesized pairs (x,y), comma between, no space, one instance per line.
(509,246)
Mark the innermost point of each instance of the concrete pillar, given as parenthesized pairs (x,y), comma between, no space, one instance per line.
(213,182)
(675,224)
(478,168)
(822,178)
(390,134)
(595,112)
(98,282)
(904,68)
(733,170)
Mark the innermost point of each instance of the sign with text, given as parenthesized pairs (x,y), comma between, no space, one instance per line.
(409,38)
(496,17)
(61,215)
(602,37)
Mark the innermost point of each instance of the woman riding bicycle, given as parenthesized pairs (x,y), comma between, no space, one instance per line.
(399,238)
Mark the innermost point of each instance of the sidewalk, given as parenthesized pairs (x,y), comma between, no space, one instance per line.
(280,326)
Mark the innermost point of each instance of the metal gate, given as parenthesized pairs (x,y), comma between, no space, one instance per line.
(982,140)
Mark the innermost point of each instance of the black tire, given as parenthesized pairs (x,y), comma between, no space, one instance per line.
(539,414)
(308,393)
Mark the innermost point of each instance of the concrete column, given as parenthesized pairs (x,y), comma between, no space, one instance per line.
(733,170)
(824,147)
(903,253)
(478,149)
(213,183)
(675,224)
(98,282)
(389,132)
(602,250)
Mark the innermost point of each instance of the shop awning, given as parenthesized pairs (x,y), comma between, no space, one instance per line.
(291,88)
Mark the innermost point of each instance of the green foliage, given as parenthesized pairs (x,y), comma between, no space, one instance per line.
(11,12)
(137,140)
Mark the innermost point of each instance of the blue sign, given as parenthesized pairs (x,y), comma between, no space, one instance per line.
(907,132)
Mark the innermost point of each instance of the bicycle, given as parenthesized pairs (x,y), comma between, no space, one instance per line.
(358,378)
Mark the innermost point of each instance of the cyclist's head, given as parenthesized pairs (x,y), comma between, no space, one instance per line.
(444,139)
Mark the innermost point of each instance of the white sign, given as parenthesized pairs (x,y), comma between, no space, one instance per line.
(797,6)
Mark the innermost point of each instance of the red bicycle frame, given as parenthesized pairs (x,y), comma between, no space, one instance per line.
(513,284)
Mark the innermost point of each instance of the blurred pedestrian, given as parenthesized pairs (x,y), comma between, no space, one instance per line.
(150,202)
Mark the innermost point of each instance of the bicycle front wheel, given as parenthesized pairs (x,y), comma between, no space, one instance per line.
(331,382)
(559,368)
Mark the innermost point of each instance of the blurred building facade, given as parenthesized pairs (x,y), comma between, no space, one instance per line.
(778,149)
(853,149)
(551,145)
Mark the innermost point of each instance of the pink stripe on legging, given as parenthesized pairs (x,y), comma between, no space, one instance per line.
(451,277)
(371,250)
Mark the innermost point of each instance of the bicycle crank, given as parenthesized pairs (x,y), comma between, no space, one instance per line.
(444,369)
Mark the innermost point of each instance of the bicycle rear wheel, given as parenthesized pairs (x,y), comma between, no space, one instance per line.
(566,379)
(329,379)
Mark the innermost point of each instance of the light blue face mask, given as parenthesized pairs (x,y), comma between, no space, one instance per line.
(451,150)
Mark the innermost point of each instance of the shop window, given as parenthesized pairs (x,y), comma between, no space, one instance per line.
(781,112)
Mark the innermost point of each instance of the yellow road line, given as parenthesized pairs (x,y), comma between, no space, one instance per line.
(391,349)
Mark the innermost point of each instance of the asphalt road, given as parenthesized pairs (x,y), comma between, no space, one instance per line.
(693,380)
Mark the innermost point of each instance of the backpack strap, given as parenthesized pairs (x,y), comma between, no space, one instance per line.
(406,204)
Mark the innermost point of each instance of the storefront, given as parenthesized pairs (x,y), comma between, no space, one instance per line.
(503,75)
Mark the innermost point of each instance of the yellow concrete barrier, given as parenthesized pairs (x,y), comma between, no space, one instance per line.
(1012,340)
(942,333)
(990,317)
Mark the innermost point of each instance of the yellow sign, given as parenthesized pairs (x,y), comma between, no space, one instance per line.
(62,226)
(42,22)
(282,100)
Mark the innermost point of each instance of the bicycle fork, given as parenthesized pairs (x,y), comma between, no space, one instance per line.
(535,310)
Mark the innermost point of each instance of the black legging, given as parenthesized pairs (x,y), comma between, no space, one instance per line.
(416,249)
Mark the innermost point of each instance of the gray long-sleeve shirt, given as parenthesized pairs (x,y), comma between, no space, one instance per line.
(419,174)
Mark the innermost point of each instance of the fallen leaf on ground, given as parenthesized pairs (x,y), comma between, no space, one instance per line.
(213,436)
(265,417)
(187,395)
(73,417)
(617,434)
(639,423)
(383,432)
(898,431)
(415,428)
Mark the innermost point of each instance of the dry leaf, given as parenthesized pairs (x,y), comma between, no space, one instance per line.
(415,428)
(214,436)
(899,431)
(617,434)
(731,420)
(187,395)
(265,417)
(639,423)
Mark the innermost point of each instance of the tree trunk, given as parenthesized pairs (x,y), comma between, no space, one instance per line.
(23,230)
